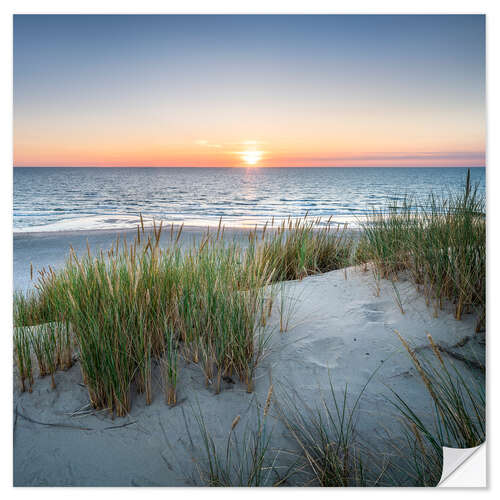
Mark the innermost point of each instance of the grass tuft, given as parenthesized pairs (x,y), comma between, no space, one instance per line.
(459,414)
(440,243)
(328,449)
(244,459)
(136,303)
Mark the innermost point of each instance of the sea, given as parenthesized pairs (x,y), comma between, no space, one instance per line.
(83,198)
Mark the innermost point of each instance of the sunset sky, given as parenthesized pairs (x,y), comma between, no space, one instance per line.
(249,91)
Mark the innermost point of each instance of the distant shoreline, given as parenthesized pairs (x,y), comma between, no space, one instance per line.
(194,226)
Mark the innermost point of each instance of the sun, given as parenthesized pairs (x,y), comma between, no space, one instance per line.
(251,157)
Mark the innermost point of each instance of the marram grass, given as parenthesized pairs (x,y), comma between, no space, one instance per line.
(245,459)
(300,247)
(439,242)
(139,303)
(459,419)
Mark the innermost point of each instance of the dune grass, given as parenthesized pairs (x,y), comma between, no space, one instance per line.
(440,243)
(459,414)
(169,365)
(301,247)
(326,449)
(329,452)
(325,438)
(142,302)
(22,349)
(246,458)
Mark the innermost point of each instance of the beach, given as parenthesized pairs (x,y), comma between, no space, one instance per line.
(52,248)
(248,250)
(341,331)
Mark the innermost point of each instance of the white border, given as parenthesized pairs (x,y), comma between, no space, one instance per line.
(256,6)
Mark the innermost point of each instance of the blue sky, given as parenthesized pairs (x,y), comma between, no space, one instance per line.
(161,90)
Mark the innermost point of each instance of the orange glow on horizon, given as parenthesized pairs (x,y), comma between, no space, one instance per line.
(251,157)
(223,157)
(205,91)
(360,143)
(42,151)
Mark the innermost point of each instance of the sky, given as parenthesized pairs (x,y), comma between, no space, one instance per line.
(233,91)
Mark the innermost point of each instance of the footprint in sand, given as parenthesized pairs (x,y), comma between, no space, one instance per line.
(373,312)
(324,352)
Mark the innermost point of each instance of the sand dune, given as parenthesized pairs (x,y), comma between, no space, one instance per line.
(339,331)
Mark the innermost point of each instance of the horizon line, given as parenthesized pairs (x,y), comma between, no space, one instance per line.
(248,166)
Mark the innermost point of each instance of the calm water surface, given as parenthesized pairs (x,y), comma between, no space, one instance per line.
(57,199)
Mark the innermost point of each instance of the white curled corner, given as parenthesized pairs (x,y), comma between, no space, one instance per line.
(464,467)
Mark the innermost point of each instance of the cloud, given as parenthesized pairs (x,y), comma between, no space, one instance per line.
(395,156)
(207,144)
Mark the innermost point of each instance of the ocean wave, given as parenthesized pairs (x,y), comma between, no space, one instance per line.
(46,199)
